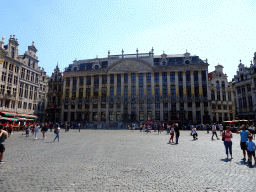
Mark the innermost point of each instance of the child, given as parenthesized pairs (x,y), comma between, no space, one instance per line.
(250,149)
(172,134)
(194,133)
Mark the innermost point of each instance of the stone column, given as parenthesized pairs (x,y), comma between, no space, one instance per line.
(161,95)
(145,96)
(99,98)
(91,103)
(107,103)
(153,95)
(137,97)
(177,91)
(129,94)
(115,98)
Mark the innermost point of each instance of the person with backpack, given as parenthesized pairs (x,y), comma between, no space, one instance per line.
(57,132)
(244,138)
(44,130)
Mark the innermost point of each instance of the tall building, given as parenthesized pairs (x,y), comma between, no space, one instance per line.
(54,96)
(245,88)
(23,82)
(140,86)
(221,96)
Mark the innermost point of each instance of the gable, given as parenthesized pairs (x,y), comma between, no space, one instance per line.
(130,66)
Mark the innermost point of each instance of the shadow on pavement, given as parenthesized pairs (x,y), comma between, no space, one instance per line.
(226,160)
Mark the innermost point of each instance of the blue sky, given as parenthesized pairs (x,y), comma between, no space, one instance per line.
(221,31)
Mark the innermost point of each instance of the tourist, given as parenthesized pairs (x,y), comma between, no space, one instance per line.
(168,128)
(3,137)
(57,132)
(221,129)
(252,130)
(244,138)
(214,131)
(9,129)
(158,128)
(207,128)
(250,146)
(194,134)
(44,130)
(27,130)
(36,130)
(177,132)
(79,126)
(227,135)
(172,134)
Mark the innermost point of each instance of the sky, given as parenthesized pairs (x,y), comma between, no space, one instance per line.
(223,31)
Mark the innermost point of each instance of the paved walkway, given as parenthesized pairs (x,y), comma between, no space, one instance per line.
(122,160)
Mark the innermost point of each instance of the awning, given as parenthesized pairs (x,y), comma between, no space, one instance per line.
(9,113)
(27,116)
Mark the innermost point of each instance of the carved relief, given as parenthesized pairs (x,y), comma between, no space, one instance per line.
(130,66)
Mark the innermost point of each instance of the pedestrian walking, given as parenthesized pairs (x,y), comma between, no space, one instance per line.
(244,138)
(250,145)
(214,131)
(57,132)
(221,129)
(159,128)
(177,132)
(3,137)
(44,130)
(141,127)
(36,130)
(207,128)
(9,129)
(27,130)
(227,135)
(252,131)
(79,126)
(172,134)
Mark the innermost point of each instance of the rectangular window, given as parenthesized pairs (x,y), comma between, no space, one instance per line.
(188,76)
(104,79)
(19,104)
(88,93)
(181,91)
(9,78)
(223,95)
(148,92)
(250,101)
(4,76)
(96,81)
(133,92)
(196,77)
(148,77)
(219,106)
(25,105)
(180,78)
(32,76)
(165,93)
(225,107)
(28,75)
(229,95)
(218,95)
(157,105)
(80,93)
(141,92)
(31,92)
(157,92)
(212,95)
(126,92)
(172,76)
(133,78)
(88,80)
(112,80)
(126,78)
(111,92)
(244,102)
(249,88)
(156,76)
(81,81)
(204,77)
(26,91)
(141,79)
(35,93)
(2,89)
(30,106)
(118,80)
(164,77)
(173,91)
(15,80)
(118,92)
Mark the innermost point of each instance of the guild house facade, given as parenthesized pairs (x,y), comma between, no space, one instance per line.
(23,83)
(136,87)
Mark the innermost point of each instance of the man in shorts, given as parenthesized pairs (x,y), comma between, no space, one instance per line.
(3,136)
(244,138)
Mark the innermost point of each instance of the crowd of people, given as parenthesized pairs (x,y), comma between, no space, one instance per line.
(247,134)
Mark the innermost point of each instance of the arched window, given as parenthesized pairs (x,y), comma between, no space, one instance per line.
(217,84)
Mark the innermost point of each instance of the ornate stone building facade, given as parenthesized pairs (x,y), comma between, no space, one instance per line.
(221,96)
(23,83)
(245,88)
(54,96)
(140,86)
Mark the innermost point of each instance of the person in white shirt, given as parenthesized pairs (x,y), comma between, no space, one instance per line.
(221,129)
(214,131)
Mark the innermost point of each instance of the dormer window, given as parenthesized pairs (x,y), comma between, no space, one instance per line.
(29,62)
(242,77)
(12,52)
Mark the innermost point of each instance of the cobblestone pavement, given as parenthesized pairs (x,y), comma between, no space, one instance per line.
(122,160)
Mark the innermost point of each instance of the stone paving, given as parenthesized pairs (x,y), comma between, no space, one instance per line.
(122,160)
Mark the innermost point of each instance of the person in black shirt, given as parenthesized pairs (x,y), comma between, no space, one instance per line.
(177,132)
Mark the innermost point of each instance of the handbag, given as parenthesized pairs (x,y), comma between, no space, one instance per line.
(223,137)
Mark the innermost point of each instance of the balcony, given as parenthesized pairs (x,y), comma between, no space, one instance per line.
(8,96)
